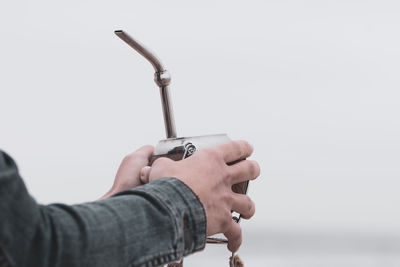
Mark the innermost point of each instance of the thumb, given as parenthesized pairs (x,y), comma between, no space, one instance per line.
(145,174)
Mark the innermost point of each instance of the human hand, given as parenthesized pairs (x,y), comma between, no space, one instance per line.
(210,177)
(128,174)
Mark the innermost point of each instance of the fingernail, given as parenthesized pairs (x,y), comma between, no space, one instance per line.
(144,174)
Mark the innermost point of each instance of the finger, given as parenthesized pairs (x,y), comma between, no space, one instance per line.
(146,151)
(140,157)
(235,150)
(243,205)
(145,174)
(234,236)
(244,170)
(161,167)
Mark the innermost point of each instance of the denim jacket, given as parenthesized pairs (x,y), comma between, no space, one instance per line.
(150,225)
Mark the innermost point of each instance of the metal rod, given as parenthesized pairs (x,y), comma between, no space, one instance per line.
(161,77)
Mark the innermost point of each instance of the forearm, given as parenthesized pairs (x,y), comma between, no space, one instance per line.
(141,227)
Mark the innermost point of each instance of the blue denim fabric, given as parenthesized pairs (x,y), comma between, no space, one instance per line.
(150,225)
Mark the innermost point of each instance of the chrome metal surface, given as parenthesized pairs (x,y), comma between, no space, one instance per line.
(161,77)
(158,67)
(167,146)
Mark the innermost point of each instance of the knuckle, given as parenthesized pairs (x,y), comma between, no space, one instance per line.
(246,199)
(228,176)
(208,152)
(213,154)
(238,147)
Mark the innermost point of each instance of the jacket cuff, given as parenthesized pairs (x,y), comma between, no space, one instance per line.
(186,209)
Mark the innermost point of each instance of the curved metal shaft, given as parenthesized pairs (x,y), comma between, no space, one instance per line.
(162,79)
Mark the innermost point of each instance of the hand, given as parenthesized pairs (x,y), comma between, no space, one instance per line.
(207,173)
(128,174)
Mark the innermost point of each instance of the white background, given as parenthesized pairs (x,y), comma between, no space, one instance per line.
(313,85)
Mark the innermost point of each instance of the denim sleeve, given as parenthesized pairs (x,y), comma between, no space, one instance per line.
(151,225)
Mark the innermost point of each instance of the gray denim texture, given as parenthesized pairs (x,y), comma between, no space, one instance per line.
(150,225)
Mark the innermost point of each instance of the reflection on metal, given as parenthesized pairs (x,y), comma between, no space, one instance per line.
(161,77)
